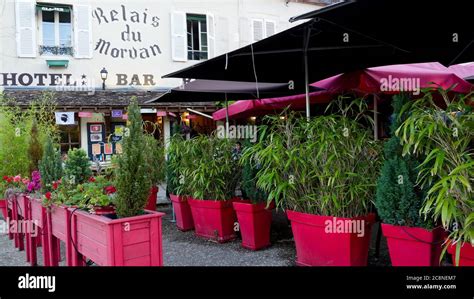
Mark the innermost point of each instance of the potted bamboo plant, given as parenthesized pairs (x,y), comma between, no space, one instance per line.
(254,213)
(133,236)
(156,160)
(323,173)
(412,240)
(179,196)
(443,132)
(212,182)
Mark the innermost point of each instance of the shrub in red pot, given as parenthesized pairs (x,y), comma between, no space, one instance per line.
(411,239)
(323,173)
(212,179)
(444,136)
(176,187)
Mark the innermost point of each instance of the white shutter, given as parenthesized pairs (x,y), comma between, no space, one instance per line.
(82,31)
(257,30)
(25,28)
(179,44)
(244,31)
(270,28)
(211,36)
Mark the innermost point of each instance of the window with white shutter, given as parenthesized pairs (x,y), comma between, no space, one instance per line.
(211,36)
(257,30)
(270,28)
(82,30)
(25,28)
(178,36)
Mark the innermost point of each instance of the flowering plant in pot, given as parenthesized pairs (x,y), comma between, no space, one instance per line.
(177,189)
(443,133)
(254,214)
(133,238)
(212,181)
(323,172)
(412,240)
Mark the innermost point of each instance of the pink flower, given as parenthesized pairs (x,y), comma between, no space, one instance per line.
(17,179)
(25,181)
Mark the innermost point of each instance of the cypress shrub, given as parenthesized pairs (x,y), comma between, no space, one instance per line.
(77,166)
(50,165)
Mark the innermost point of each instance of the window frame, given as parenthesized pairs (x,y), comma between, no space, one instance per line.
(202,18)
(56,34)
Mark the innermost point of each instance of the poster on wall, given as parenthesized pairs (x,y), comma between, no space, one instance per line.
(96,128)
(118,148)
(96,149)
(108,149)
(96,137)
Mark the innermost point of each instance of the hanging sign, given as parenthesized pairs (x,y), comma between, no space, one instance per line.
(85,114)
(172,114)
(117,113)
(65,118)
(161,113)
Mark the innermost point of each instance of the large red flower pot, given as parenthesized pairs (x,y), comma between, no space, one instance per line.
(130,241)
(213,219)
(414,246)
(3,208)
(152,197)
(39,217)
(331,241)
(182,211)
(59,222)
(255,221)
(466,257)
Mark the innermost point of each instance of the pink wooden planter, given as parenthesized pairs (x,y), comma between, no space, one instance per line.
(18,238)
(9,211)
(24,213)
(39,215)
(59,222)
(3,208)
(131,241)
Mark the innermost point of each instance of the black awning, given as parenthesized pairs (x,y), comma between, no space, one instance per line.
(348,37)
(216,90)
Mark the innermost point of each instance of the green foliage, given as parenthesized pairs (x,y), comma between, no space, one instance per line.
(132,173)
(398,200)
(50,165)
(249,180)
(209,172)
(77,166)
(155,156)
(327,166)
(176,161)
(20,142)
(445,137)
(35,149)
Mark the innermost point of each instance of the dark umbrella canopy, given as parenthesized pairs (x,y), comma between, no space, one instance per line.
(215,90)
(349,37)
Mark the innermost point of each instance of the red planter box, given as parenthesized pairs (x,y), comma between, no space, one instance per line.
(152,197)
(182,210)
(59,223)
(131,241)
(3,208)
(213,220)
(39,216)
(255,222)
(414,246)
(466,257)
(320,243)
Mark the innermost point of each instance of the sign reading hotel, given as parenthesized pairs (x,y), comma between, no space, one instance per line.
(130,34)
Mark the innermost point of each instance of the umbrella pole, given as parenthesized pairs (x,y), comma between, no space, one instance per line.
(306,72)
(376,118)
(226,117)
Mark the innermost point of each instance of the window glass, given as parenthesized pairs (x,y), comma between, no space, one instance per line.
(197,37)
(48,28)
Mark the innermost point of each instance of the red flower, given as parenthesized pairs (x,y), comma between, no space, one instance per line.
(5,178)
(109,190)
(55,185)
(92,179)
(48,195)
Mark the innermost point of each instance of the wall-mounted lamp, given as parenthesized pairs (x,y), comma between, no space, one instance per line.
(103,75)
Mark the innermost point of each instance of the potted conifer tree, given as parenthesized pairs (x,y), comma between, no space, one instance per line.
(412,240)
(443,133)
(323,172)
(133,238)
(156,160)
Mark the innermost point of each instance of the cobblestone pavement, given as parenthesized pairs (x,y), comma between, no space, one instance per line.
(185,249)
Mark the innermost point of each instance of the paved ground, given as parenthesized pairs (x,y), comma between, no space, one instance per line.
(185,249)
